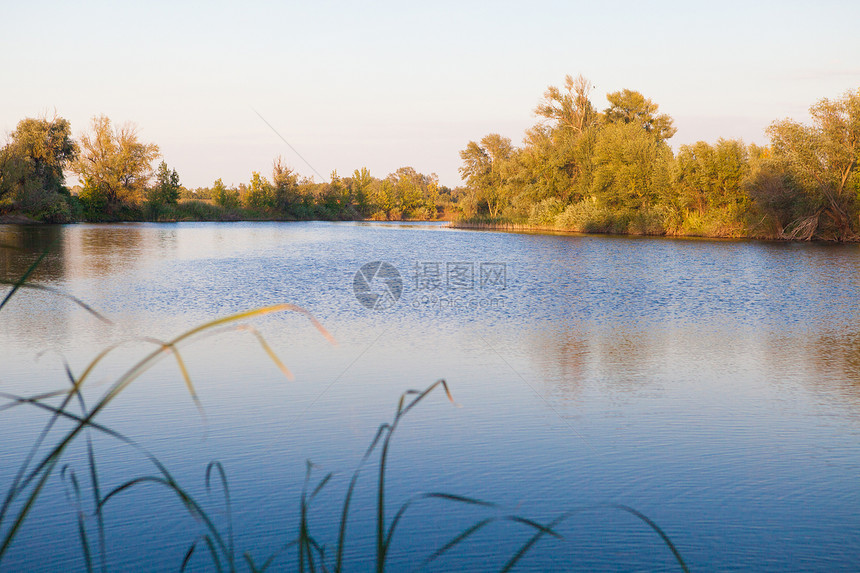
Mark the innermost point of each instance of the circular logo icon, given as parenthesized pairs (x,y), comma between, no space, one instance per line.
(377,285)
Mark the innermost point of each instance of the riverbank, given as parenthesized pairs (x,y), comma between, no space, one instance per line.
(551,229)
(203,212)
(198,211)
(17,219)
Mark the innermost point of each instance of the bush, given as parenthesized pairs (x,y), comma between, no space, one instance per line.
(588,216)
(52,209)
(647,221)
(717,222)
(545,213)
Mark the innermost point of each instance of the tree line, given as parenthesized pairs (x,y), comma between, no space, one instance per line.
(613,171)
(118,183)
(578,169)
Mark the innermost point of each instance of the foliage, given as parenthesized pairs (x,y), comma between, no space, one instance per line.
(589,216)
(576,168)
(628,106)
(166,189)
(712,176)
(821,160)
(113,166)
(485,168)
(259,195)
(31,168)
(569,110)
(286,195)
(223,197)
(631,167)
(613,172)
(115,169)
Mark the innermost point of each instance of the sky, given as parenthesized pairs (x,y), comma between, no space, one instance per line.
(224,88)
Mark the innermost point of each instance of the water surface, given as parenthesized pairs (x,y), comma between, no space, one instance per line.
(712,385)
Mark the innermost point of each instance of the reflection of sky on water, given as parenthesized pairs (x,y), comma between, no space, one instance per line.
(712,384)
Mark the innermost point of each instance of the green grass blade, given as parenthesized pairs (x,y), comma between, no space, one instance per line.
(252,567)
(94,475)
(58,292)
(28,505)
(190,504)
(20,482)
(434,495)
(68,475)
(462,536)
(659,531)
(534,525)
(542,530)
(138,369)
(225,486)
(341,535)
(321,485)
(21,281)
(188,555)
(422,394)
(271,559)
(100,522)
(214,553)
(19,401)
(381,535)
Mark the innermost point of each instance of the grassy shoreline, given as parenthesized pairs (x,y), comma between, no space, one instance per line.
(202,212)
(516,227)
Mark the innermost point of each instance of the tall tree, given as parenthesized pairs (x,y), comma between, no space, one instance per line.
(166,188)
(712,176)
(630,167)
(361,184)
(822,160)
(259,194)
(32,163)
(485,168)
(628,106)
(113,165)
(570,109)
(286,196)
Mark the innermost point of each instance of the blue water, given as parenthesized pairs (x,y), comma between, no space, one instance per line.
(713,386)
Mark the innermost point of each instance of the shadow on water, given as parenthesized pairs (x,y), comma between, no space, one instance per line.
(21,245)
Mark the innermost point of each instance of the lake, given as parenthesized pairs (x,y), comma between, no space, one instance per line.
(713,386)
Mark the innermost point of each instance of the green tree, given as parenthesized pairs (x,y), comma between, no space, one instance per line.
(32,165)
(570,109)
(631,167)
(486,168)
(224,197)
(553,164)
(113,165)
(361,187)
(287,199)
(628,106)
(333,200)
(383,199)
(712,176)
(259,195)
(822,161)
(167,187)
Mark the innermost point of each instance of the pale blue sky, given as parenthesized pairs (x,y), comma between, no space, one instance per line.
(386,84)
